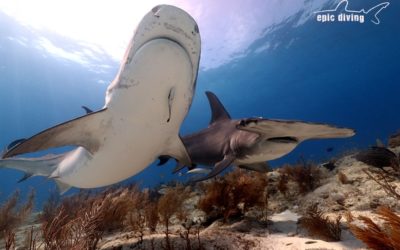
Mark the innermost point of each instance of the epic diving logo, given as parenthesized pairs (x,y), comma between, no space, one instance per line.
(342,14)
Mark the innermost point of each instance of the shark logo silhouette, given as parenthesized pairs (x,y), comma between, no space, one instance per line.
(342,13)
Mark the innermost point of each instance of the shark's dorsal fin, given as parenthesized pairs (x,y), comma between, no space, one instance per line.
(85,131)
(218,111)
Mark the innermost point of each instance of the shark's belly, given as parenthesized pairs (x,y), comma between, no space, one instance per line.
(112,166)
(146,109)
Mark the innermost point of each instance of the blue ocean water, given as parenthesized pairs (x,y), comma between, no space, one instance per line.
(345,74)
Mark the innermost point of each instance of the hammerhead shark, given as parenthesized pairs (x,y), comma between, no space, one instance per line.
(144,108)
(249,142)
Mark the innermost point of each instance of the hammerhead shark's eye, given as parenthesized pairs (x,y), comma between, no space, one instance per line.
(196,29)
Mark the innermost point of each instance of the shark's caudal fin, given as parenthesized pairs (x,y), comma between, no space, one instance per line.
(218,111)
(43,166)
(84,131)
(296,129)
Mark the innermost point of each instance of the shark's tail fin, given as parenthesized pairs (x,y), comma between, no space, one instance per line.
(42,166)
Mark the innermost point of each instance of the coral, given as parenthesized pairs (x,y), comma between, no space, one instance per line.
(185,235)
(319,225)
(282,185)
(82,227)
(343,178)
(394,140)
(233,194)
(168,205)
(376,237)
(136,218)
(9,240)
(12,214)
(151,215)
(382,180)
(305,175)
(30,240)
(49,207)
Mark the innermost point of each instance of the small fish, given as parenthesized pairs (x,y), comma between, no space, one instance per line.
(378,157)
(199,171)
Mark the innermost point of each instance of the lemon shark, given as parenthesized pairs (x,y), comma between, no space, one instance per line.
(249,142)
(144,107)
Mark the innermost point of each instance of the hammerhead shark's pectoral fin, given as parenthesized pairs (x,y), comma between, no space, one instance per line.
(261,167)
(296,129)
(176,149)
(85,131)
(219,167)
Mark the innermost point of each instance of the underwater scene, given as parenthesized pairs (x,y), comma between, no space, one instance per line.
(199,124)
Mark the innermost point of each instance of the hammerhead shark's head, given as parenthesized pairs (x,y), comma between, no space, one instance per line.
(249,142)
(145,106)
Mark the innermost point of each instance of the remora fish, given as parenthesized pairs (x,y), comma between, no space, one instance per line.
(144,108)
(249,142)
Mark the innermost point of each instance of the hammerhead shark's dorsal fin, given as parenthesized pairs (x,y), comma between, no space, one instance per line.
(176,149)
(85,131)
(218,111)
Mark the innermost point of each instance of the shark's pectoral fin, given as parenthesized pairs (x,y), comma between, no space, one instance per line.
(85,131)
(62,187)
(176,149)
(261,167)
(219,167)
(296,129)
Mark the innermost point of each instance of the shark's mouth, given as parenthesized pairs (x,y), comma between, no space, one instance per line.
(284,139)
